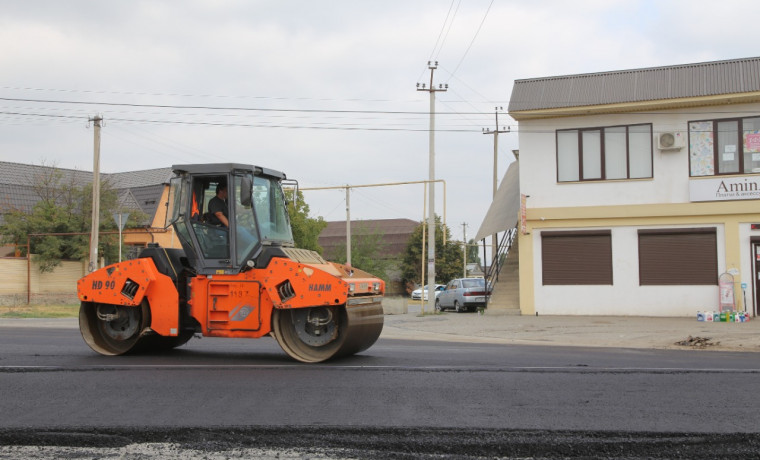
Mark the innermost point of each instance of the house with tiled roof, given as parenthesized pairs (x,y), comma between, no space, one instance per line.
(18,183)
(143,188)
(143,191)
(138,190)
(640,190)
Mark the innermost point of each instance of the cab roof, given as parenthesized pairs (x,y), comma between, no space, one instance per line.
(224,168)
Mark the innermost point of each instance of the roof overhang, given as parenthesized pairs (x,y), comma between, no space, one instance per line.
(640,106)
(504,211)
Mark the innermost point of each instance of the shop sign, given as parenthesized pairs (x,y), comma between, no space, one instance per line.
(724,188)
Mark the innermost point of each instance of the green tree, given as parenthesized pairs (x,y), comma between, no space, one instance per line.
(448,257)
(306,229)
(63,208)
(367,249)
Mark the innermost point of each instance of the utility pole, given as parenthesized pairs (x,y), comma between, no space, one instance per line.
(431,210)
(93,265)
(495,132)
(464,235)
(348,225)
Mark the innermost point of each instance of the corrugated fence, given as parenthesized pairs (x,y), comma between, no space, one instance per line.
(20,282)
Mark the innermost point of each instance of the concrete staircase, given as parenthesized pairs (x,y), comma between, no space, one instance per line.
(505,298)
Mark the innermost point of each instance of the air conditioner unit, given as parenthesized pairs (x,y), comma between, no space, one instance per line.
(670,141)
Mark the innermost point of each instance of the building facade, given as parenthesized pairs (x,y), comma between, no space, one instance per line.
(640,190)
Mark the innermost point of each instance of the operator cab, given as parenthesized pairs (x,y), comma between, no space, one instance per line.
(256,214)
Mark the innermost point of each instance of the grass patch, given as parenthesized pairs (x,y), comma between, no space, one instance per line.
(39,311)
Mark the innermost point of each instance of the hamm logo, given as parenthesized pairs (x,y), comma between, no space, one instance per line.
(320,287)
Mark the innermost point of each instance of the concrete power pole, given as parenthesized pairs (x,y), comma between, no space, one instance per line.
(431,210)
(495,132)
(93,264)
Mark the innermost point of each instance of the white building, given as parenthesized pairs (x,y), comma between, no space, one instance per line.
(641,190)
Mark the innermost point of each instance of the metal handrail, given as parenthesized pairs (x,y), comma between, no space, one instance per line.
(491,273)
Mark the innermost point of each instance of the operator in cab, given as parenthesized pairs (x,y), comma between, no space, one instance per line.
(217,207)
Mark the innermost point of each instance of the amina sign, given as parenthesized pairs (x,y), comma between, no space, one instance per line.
(724,189)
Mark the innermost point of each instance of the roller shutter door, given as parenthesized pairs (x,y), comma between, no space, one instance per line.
(582,257)
(678,257)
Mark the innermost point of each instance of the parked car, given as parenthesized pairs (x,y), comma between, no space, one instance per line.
(417,293)
(463,294)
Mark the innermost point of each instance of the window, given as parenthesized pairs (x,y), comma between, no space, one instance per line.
(246,234)
(615,152)
(678,257)
(213,238)
(730,146)
(581,257)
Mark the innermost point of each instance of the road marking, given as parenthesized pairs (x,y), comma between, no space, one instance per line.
(556,369)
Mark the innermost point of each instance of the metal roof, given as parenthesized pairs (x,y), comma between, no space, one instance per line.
(637,85)
(17,197)
(147,198)
(223,168)
(143,178)
(23,174)
(20,185)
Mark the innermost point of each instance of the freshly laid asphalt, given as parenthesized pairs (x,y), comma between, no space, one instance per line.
(404,321)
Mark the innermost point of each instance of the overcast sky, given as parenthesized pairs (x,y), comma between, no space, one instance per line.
(322,90)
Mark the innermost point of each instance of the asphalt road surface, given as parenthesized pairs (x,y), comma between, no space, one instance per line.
(224,398)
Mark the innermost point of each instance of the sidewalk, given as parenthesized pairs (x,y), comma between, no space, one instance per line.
(582,331)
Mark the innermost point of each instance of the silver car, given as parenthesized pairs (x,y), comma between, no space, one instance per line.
(463,294)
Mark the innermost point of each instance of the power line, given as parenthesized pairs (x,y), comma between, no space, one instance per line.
(220,96)
(473,38)
(394,207)
(451,23)
(351,117)
(511,127)
(555,103)
(469,121)
(249,125)
(216,108)
(43,115)
(239,125)
(443,27)
(183,149)
(315,111)
(485,100)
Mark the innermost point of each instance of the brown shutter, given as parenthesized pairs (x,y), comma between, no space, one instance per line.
(678,257)
(583,257)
